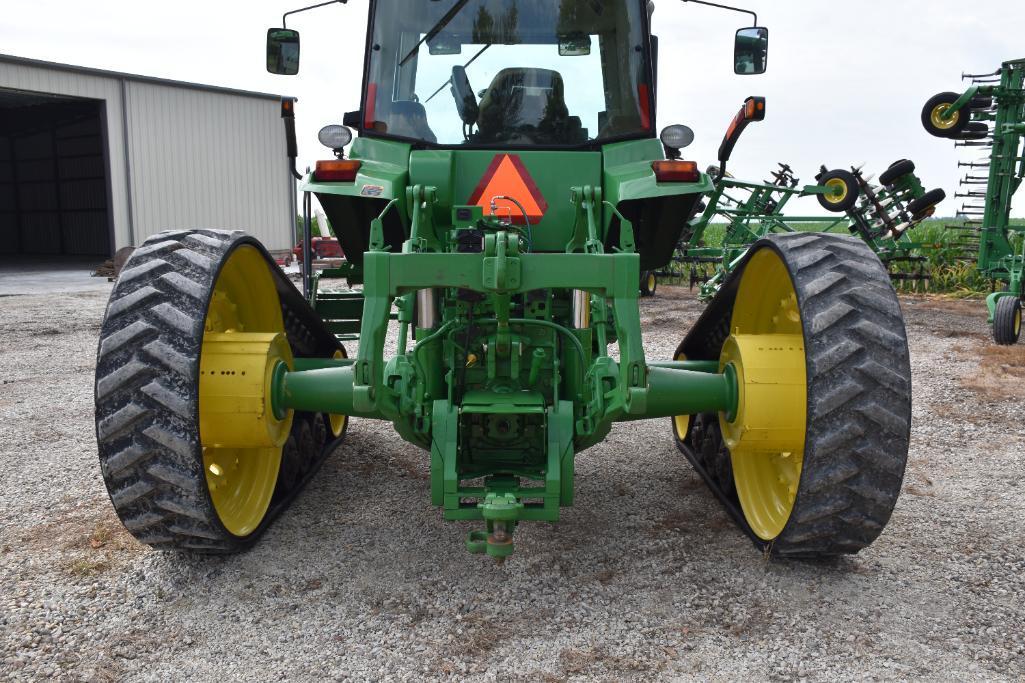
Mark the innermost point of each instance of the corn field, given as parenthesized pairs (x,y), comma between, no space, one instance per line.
(950,268)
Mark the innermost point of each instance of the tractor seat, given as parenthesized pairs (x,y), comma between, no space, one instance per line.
(520,99)
(408,119)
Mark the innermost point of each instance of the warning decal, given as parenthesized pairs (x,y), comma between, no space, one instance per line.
(508,177)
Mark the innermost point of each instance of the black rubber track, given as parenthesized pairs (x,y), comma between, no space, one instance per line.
(147,383)
(1007,321)
(859,396)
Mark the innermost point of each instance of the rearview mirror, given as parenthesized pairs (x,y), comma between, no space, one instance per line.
(444,45)
(751,52)
(283,51)
(576,44)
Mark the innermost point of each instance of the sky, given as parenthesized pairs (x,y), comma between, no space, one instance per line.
(845,86)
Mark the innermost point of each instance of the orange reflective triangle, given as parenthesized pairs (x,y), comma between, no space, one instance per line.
(508,177)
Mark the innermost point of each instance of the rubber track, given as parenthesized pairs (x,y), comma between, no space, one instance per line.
(859,394)
(147,382)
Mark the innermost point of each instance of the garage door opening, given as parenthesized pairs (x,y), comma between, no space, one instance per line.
(54,178)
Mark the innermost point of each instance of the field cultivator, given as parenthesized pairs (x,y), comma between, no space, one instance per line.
(880,215)
(500,235)
(990,116)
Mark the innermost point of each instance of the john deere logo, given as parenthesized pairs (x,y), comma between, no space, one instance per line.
(508,177)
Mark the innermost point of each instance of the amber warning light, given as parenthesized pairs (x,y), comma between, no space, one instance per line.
(676,171)
(337,170)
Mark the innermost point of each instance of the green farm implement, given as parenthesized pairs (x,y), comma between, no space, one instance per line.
(879,214)
(497,233)
(990,115)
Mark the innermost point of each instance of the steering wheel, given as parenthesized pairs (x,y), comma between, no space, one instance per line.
(466,101)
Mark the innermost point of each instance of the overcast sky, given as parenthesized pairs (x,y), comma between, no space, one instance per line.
(846,81)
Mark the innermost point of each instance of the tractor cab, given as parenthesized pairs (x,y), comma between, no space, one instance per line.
(506,73)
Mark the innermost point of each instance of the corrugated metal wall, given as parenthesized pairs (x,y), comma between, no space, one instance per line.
(202,159)
(198,157)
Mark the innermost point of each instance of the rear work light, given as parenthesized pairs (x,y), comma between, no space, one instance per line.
(337,170)
(676,171)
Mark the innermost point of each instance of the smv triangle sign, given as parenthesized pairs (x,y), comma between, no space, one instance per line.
(508,177)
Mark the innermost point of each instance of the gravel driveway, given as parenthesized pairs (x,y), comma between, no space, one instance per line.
(646,578)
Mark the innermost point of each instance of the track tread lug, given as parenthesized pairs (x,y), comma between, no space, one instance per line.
(168,398)
(144,520)
(175,317)
(120,421)
(129,275)
(183,284)
(168,356)
(194,258)
(151,248)
(121,377)
(129,334)
(128,302)
(183,481)
(132,493)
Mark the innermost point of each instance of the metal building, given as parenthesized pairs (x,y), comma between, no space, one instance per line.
(91,160)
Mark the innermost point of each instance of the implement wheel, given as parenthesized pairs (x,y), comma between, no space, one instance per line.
(843,191)
(189,448)
(934,116)
(976,130)
(820,438)
(896,171)
(1007,321)
(925,206)
(649,283)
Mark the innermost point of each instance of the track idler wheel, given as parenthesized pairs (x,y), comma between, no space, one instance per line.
(819,442)
(191,450)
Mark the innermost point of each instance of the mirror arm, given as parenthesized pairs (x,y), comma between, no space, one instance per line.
(284,17)
(733,9)
(291,146)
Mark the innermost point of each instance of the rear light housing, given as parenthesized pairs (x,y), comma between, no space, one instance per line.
(676,171)
(337,170)
(754,109)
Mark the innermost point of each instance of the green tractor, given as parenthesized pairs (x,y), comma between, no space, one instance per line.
(499,231)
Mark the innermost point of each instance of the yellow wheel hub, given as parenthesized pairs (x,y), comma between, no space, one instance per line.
(939,120)
(681,423)
(1017,322)
(651,282)
(766,438)
(243,345)
(338,422)
(837,190)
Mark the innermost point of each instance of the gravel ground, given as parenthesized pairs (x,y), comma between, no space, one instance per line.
(645,578)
